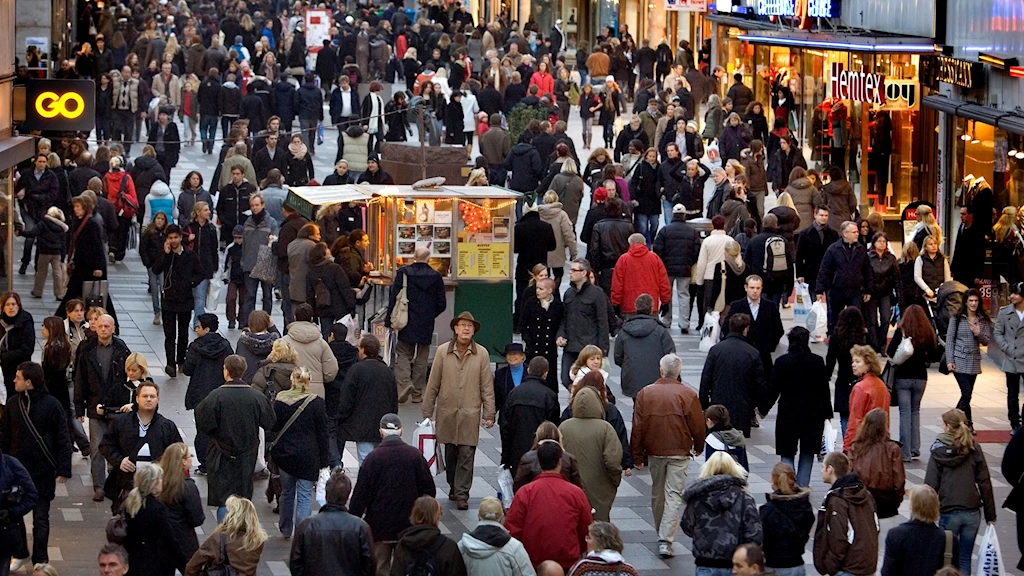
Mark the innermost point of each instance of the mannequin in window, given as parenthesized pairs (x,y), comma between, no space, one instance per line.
(981,202)
(881,150)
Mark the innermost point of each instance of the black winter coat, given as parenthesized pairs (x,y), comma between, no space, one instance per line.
(90,387)
(447,560)
(526,166)
(209,98)
(610,240)
(885,275)
(17,342)
(262,163)
(13,473)
(536,239)
(45,412)
(540,326)
(310,102)
(230,100)
(204,245)
(810,250)
(145,171)
(150,544)
(182,272)
(332,541)
(185,515)
(528,406)
(844,267)
(801,384)
(303,449)
(426,294)
(368,393)
(586,318)
(627,135)
(392,477)
(287,100)
(204,364)
(121,440)
(490,100)
(343,300)
(787,520)
(734,377)
(916,548)
(172,147)
(151,246)
(644,188)
(299,171)
(678,246)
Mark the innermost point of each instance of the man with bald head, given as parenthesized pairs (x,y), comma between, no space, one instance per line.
(99,367)
(425,295)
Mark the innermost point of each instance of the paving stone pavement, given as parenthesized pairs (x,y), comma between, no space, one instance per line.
(77,522)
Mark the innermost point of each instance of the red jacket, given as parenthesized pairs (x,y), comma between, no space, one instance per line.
(868,394)
(639,271)
(128,206)
(550,517)
(544,82)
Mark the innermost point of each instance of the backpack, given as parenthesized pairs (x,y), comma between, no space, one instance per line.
(775,263)
(321,295)
(125,205)
(422,562)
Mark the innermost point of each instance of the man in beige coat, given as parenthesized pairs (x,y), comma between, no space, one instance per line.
(462,386)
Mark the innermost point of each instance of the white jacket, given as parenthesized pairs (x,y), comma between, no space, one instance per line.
(487,557)
(712,252)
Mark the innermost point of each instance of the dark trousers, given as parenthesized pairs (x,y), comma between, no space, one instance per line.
(235,302)
(251,286)
(568,358)
(172,320)
(1013,398)
(121,126)
(208,131)
(119,244)
(877,312)
(838,300)
(459,469)
(225,124)
(30,223)
(497,175)
(77,431)
(202,446)
(966,384)
(40,531)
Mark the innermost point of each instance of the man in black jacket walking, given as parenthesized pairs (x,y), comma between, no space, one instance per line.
(204,365)
(334,541)
(528,406)
(209,109)
(585,320)
(678,246)
(182,272)
(369,392)
(765,322)
(845,274)
(424,290)
(311,111)
(811,245)
(34,430)
(391,478)
(165,140)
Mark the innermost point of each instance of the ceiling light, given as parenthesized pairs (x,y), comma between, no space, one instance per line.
(1012,153)
(1019,155)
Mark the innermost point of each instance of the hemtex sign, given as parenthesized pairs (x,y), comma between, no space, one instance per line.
(859,86)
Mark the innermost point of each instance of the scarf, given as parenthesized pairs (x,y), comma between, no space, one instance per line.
(74,238)
(291,396)
(258,217)
(298,150)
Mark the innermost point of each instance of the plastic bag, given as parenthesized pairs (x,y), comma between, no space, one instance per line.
(783,346)
(213,291)
(425,440)
(505,488)
(714,157)
(710,332)
(904,351)
(801,304)
(352,323)
(770,201)
(817,322)
(990,558)
(829,438)
(321,486)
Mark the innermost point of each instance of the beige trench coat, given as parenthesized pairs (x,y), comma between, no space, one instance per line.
(463,391)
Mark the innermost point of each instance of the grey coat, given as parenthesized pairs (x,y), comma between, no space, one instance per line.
(962,346)
(641,343)
(1009,336)
(256,235)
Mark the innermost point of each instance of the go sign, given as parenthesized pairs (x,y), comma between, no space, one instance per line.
(60,105)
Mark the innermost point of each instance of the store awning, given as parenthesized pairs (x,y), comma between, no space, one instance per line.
(1009,121)
(15,149)
(846,42)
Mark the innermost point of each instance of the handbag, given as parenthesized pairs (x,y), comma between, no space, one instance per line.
(888,377)
(400,313)
(94,292)
(291,420)
(224,568)
(947,554)
(904,351)
(265,269)
(213,295)
(117,529)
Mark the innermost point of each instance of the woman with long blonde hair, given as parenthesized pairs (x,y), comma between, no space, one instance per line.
(240,534)
(720,478)
(184,504)
(148,536)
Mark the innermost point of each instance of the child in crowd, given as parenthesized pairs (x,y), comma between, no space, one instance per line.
(235,277)
(722,437)
(51,244)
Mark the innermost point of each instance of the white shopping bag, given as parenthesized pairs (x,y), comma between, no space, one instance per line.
(817,322)
(802,304)
(505,488)
(425,440)
(990,558)
(710,332)
(770,201)
(213,294)
(829,438)
(321,486)
(352,323)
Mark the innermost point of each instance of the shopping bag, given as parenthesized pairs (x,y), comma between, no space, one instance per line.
(714,157)
(352,323)
(783,346)
(829,438)
(990,559)
(770,201)
(265,269)
(505,488)
(321,486)
(426,441)
(94,292)
(710,332)
(213,291)
(802,304)
(320,133)
(904,351)
(817,322)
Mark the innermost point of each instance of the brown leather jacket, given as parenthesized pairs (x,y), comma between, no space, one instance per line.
(880,467)
(529,468)
(667,421)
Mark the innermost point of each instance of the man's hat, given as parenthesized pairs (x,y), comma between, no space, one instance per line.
(238,230)
(466,316)
(513,347)
(390,422)
(679,209)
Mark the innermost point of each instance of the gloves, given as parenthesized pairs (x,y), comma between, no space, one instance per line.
(665,309)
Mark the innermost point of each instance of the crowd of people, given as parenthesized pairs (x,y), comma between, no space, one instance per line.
(279,404)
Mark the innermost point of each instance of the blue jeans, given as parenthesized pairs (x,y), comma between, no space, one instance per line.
(966,384)
(207,130)
(843,421)
(704,571)
(251,284)
(199,295)
(803,470)
(156,282)
(222,512)
(910,392)
(666,211)
(363,450)
(296,502)
(964,525)
(796,571)
(647,224)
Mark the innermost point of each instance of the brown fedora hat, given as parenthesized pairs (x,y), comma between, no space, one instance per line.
(466,316)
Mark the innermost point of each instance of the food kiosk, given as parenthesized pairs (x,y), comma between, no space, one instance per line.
(469,232)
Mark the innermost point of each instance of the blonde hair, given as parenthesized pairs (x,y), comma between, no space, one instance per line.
(174,474)
(1006,223)
(868,355)
(146,479)
(721,463)
(588,352)
(785,199)
(198,207)
(282,351)
(137,360)
(910,252)
(737,168)
(963,440)
(926,216)
(490,509)
(924,504)
(300,379)
(550,197)
(242,522)
(732,248)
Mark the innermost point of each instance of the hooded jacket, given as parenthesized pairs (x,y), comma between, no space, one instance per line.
(787,520)
(526,166)
(51,236)
(639,271)
(962,480)
(204,363)
(841,201)
(447,559)
(589,437)
(255,348)
(565,233)
(161,199)
(489,549)
(641,341)
(313,353)
(719,516)
(368,393)
(846,535)
(602,562)
(46,414)
(805,198)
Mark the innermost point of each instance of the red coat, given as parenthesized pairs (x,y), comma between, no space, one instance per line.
(550,516)
(639,271)
(544,82)
(868,394)
(112,184)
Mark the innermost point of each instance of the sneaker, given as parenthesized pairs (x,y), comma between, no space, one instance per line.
(201,471)
(665,550)
(156,319)
(19,563)
(170,370)
(231,325)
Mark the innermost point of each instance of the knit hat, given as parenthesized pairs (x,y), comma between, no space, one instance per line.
(691,124)
(679,209)
(531,207)
(600,195)
(238,230)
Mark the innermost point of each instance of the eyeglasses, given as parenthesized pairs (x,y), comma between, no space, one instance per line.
(575,270)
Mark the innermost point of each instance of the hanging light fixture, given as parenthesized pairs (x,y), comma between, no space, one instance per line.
(1013,152)
(1019,155)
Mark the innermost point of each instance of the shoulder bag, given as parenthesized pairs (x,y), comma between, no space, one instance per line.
(291,420)
(400,313)
(224,568)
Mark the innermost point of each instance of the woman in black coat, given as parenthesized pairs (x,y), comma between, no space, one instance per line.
(397,113)
(180,495)
(539,323)
(86,257)
(149,542)
(324,272)
(299,164)
(17,338)
(802,386)
(454,128)
(151,245)
(202,238)
(787,519)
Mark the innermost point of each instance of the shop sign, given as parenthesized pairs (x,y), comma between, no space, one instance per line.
(859,86)
(909,219)
(687,5)
(60,105)
(960,73)
(901,95)
(799,8)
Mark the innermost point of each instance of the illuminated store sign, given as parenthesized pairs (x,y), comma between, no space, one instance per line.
(860,86)
(958,72)
(799,8)
(66,105)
